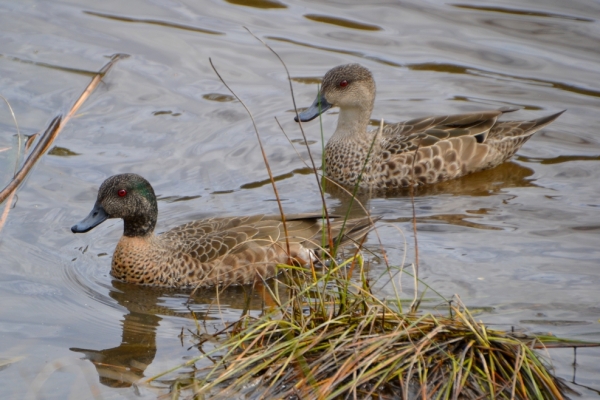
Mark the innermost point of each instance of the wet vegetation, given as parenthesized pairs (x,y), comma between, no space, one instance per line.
(328,336)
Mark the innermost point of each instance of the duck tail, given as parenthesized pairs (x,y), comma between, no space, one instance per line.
(542,122)
(506,138)
(520,130)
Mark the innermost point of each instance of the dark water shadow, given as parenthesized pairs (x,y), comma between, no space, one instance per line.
(153,22)
(345,23)
(51,66)
(515,11)
(264,4)
(463,69)
(125,364)
(277,178)
(444,68)
(334,50)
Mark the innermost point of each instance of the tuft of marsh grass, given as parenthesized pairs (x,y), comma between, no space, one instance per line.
(329,337)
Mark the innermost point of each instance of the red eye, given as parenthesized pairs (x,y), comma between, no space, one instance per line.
(344,83)
(122,193)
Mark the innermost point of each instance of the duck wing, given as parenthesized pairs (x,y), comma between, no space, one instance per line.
(427,131)
(434,149)
(209,239)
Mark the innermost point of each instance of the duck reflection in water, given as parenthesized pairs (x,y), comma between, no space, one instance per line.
(124,365)
(484,183)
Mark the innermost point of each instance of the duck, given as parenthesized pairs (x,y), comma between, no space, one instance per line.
(219,251)
(416,152)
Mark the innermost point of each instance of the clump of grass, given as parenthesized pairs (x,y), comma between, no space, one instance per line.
(332,338)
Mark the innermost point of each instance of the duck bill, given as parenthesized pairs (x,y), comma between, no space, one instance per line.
(97,216)
(319,106)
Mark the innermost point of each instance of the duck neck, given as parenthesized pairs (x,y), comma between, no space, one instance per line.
(140,225)
(352,123)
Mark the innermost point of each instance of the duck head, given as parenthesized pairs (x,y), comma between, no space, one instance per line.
(350,87)
(126,196)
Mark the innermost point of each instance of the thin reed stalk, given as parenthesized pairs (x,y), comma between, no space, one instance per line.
(415,304)
(262,149)
(314,167)
(19,137)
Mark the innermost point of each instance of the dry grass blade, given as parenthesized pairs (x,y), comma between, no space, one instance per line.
(19,138)
(414,304)
(314,167)
(287,243)
(53,130)
(17,158)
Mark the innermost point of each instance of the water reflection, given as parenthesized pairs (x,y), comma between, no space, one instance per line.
(559,159)
(125,364)
(484,183)
(62,152)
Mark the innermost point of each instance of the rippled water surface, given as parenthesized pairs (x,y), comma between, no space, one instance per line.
(520,243)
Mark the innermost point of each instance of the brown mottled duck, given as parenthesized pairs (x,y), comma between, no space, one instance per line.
(420,151)
(210,252)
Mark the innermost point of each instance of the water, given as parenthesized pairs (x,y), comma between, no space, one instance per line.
(520,242)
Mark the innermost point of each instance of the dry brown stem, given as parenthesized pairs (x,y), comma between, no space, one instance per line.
(262,149)
(54,129)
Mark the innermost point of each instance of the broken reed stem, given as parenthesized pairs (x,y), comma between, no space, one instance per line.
(48,136)
(312,161)
(54,129)
(262,149)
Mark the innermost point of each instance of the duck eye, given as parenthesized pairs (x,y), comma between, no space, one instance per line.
(122,193)
(344,83)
